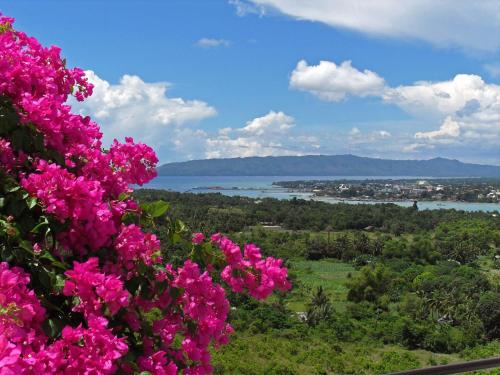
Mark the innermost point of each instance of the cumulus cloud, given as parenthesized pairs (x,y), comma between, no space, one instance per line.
(441,23)
(139,109)
(144,111)
(272,123)
(334,82)
(449,129)
(463,92)
(212,43)
(262,136)
(464,111)
(467,108)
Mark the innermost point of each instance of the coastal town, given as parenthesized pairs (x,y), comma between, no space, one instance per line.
(465,190)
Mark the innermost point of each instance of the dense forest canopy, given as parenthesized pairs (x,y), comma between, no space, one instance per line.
(211,211)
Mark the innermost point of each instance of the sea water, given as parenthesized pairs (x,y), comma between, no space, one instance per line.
(262,187)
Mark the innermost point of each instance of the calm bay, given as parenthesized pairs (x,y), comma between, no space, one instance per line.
(262,187)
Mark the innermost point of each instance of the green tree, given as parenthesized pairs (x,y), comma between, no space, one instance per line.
(489,312)
(320,308)
(371,285)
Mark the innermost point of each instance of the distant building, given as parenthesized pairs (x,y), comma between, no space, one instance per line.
(418,191)
(494,194)
(343,187)
(272,227)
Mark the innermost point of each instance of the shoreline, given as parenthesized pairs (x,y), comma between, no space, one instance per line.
(395,200)
(340,199)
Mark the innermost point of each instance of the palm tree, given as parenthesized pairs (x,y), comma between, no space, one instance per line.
(320,308)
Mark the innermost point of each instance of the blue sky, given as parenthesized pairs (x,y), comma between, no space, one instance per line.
(198,79)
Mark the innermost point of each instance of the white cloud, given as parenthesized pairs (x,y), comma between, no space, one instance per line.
(356,136)
(414,147)
(465,109)
(244,147)
(272,123)
(262,136)
(472,25)
(383,134)
(141,110)
(334,82)
(449,129)
(144,111)
(212,43)
(243,8)
(354,132)
(187,143)
(461,93)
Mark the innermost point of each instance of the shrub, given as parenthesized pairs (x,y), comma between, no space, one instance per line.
(83,289)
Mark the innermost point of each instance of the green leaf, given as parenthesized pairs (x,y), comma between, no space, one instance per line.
(26,245)
(161,287)
(13,189)
(176,238)
(59,265)
(156,209)
(55,156)
(146,291)
(53,327)
(8,117)
(180,226)
(60,281)
(133,284)
(52,261)
(48,256)
(123,196)
(176,292)
(19,139)
(31,202)
(37,228)
(45,279)
(38,142)
(142,268)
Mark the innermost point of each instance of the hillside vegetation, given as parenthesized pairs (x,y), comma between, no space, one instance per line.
(326,165)
(376,288)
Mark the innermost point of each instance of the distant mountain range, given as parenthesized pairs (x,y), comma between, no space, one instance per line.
(323,165)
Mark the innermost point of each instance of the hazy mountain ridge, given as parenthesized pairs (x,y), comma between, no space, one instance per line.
(324,165)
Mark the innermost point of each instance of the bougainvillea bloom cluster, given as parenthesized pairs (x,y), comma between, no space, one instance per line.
(249,271)
(83,288)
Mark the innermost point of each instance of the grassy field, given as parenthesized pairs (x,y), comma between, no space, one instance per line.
(331,275)
(286,353)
